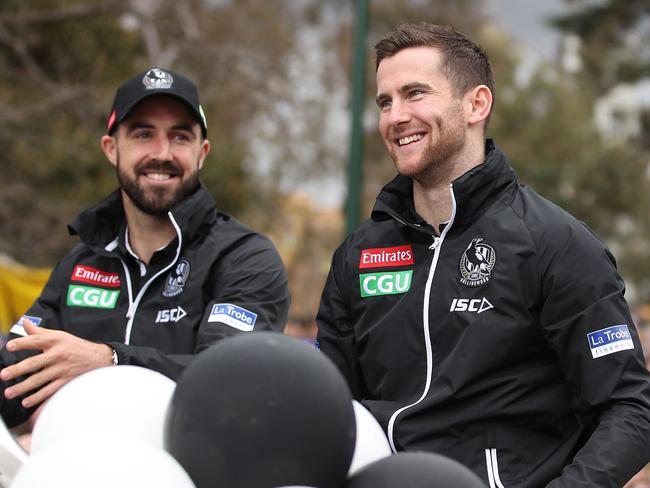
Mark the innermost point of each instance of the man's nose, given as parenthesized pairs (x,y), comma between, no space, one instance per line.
(161,148)
(399,113)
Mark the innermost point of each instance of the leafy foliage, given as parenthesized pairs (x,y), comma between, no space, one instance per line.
(610,179)
(64,60)
(274,80)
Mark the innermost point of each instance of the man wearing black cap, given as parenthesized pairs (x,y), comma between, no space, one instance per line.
(159,274)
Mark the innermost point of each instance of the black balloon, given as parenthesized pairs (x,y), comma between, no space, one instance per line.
(262,410)
(415,470)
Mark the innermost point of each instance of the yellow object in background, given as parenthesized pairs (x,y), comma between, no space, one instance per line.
(19,287)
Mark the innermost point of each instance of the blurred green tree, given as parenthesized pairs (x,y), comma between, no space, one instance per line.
(612,191)
(62,61)
(275,82)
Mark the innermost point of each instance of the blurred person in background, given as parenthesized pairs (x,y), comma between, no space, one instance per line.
(642,319)
(302,327)
(471,316)
(159,274)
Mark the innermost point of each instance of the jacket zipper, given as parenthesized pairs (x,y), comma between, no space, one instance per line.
(435,247)
(133,303)
(436,241)
(493,468)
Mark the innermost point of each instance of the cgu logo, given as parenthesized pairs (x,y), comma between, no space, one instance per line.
(170,315)
(477,305)
(391,283)
(91,297)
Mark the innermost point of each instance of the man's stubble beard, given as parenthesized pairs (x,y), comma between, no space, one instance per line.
(438,154)
(156,202)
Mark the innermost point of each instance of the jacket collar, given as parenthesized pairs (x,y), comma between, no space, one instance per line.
(473,191)
(100,225)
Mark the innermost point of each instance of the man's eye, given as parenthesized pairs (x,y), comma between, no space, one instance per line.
(181,137)
(384,104)
(141,134)
(415,93)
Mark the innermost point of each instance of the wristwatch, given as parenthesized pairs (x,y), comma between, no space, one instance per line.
(114,356)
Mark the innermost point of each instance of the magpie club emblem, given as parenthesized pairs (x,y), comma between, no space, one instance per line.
(477,263)
(157,78)
(176,280)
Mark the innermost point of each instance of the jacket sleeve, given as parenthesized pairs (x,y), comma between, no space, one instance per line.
(248,291)
(588,323)
(336,336)
(171,365)
(44,312)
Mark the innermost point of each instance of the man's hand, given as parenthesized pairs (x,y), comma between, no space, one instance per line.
(64,357)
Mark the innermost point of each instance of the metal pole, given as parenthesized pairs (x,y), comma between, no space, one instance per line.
(353,204)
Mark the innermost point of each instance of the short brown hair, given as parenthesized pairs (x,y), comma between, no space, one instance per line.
(464,63)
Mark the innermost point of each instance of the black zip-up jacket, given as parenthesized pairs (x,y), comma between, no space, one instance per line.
(215,279)
(505,342)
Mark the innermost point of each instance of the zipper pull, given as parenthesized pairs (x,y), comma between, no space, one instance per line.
(433,246)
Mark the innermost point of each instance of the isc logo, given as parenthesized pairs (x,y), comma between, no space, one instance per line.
(477,305)
(170,315)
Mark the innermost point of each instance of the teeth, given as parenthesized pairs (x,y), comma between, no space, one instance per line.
(159,176)
(409,139)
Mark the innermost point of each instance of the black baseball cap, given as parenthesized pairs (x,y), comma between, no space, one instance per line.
(155,81)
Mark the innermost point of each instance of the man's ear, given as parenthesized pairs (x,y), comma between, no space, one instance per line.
(109,146)
(205,150)
(479,101)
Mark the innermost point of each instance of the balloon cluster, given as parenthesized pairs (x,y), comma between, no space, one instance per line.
(104,429)
(258,410)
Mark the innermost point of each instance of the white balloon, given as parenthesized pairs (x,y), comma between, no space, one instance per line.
(118,399)
(12,455)
(371,442)
(101,460)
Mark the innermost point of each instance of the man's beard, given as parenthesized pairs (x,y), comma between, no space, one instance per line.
(437,154)
(155,201)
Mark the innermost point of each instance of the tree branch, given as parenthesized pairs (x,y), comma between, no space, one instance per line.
(63,13)
(43,105)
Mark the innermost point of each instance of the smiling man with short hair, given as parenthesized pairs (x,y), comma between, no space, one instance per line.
(471,316)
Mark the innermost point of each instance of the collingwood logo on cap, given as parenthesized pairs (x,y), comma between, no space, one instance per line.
(156,78)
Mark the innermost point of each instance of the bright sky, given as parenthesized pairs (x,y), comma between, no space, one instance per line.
(526,21)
